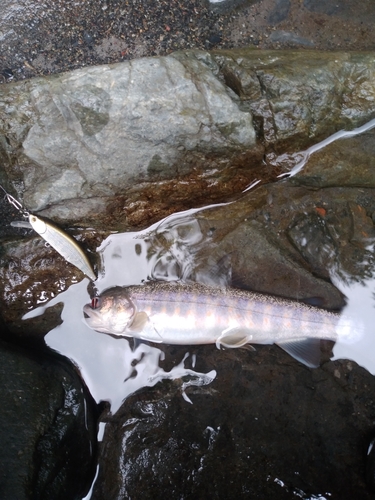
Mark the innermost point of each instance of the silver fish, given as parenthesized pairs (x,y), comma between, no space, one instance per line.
(64,244)
(188,314)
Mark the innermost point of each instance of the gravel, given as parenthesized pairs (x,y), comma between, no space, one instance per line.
(39,37)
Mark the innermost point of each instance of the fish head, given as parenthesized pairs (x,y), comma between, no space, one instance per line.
(112,312)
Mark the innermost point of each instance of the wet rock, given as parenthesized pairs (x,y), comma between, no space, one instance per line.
(47,428)
(337,238)
(239,437)
(32,273)
(112,143)
(286,239)
(346,162)
(259,263)
(296,96)
(310,234)
(99,131)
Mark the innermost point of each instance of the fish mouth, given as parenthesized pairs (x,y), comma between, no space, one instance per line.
(92,318)
(88,311)
(95,321)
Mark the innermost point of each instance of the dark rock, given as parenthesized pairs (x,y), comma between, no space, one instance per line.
(262,264)
(214,39)
(47,428)
(262,429)
(7,73)
(88,38)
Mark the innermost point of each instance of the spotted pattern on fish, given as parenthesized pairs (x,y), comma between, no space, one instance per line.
(176,313)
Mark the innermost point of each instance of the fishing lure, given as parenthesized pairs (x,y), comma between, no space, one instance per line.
(63,243)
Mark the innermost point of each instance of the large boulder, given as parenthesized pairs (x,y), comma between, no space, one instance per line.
(264,428)
(137,140)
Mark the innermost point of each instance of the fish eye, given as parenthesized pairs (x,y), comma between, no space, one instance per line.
(95,303)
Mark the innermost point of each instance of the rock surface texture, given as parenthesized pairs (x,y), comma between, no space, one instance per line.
(217,447)
(110,144)
(47,428)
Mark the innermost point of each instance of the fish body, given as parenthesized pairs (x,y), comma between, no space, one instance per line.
(64,244)
(188,314)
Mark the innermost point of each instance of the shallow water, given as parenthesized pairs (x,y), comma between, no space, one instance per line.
(168,250)
(171,250)
(114,368)
(111,367)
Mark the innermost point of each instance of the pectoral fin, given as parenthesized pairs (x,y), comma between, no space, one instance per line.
(139,322)
(145,329)
(233,337)
(307,351)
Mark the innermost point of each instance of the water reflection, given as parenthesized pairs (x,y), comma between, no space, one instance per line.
(169,250)
(360,305)
(111,368)
(182,247)
(172,250)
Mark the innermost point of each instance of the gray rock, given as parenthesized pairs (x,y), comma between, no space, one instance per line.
(97,131)
(47,437)
(129,136)
(299,96)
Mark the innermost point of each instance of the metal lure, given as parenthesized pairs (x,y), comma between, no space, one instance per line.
(64,244)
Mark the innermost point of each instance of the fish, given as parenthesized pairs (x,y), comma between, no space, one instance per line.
(63,243)
(192,313)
